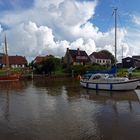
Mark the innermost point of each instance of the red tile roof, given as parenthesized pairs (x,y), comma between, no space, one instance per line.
(99,55)
(78,55)
(39,59)
(13,60)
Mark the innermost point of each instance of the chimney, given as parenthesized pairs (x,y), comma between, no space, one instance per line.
(67,49)
(78,50)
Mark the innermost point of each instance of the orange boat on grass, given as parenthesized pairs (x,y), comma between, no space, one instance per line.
(10,77)
(7,75)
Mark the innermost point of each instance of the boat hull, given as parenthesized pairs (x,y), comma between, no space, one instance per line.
(124,85)
(10,77)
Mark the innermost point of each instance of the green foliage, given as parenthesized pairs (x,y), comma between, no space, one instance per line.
(78,69)
(99,67)
(11,71)
(57,66)
(47,67)
(124,72)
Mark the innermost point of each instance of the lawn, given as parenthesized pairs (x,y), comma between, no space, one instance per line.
(3,72)
(124,72)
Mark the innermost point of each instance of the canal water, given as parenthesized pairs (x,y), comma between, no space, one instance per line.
(62,110)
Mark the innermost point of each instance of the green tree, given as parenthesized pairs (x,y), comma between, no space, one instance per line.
(78,69)
(48,66)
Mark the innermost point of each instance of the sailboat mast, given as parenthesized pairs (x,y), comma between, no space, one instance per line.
(115,12)
(6,53)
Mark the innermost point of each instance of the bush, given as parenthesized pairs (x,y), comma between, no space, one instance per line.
(78,69)
(48,66)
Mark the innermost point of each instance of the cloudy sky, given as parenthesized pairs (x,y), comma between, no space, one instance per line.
(43,27)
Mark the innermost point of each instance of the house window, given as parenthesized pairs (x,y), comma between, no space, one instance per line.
(12,66)
(128,60)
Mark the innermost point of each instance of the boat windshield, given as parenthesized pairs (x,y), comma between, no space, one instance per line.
(100,76)
(86,76)
(97,77)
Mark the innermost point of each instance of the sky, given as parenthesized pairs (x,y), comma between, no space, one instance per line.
(44,27)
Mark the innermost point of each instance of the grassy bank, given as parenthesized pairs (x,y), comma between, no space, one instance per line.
(124,72)
(11,71)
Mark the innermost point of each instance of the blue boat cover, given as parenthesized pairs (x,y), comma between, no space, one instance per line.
(112,71)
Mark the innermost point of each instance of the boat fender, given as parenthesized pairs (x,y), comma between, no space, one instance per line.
(87,85)
(96,86)
(110,86)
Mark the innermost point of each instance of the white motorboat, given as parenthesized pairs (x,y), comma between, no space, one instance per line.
(106,82)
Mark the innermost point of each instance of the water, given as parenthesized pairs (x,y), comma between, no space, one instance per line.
(62,110)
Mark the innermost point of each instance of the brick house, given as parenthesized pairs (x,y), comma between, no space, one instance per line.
(76,57)
(14,61)
(100,58)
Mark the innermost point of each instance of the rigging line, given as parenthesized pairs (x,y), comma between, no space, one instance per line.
(123,27)
(109,21)
(125,38)
(120,22)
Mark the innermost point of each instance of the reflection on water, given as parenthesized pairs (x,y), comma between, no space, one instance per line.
(62,110)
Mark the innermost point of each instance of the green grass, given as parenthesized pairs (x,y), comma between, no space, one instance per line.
(124,72)
(3,72)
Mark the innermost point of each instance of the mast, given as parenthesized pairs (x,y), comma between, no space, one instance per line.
(6,53)
(115,12)
(122,51)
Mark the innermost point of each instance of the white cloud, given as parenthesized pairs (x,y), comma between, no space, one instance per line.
(30,39)
(136,19)
(1,29)
(132,37)
(49,27)
(43,28)
(36,40)
(46,3)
